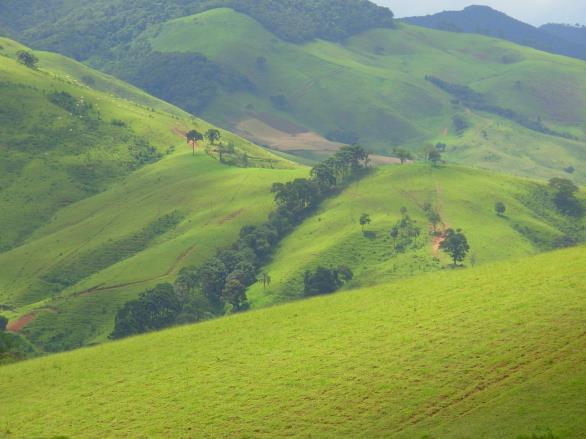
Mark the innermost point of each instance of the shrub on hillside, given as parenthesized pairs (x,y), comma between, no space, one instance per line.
(325,280)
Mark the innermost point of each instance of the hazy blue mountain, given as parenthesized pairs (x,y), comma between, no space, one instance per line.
(487,21)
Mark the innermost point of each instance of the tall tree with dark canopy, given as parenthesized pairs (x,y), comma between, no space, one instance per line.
(193,137)
(213,135)
(27,59)
(325,280)
(456,245)
(565,196)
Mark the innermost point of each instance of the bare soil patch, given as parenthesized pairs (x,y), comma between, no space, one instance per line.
(20,323)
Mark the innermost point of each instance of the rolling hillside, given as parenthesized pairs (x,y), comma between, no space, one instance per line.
(464,198)
(305,77)
(497,351)
(373,89)
(103,198)
(487,21)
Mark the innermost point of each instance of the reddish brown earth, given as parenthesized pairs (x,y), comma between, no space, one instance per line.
(20,323)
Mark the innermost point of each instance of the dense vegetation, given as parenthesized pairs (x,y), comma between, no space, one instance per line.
(198,80)
(486,21)
(492,352)
(576,33)
(472,99)
(218,286)
(94,28)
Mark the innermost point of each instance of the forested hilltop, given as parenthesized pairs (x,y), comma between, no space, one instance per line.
(487,21)
(93,28)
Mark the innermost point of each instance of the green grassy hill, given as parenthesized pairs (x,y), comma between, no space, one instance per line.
(492,352)
(103,199)
(372,88)
(464,198)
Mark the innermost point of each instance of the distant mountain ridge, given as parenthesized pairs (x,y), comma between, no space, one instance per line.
(487,21)
(576,33)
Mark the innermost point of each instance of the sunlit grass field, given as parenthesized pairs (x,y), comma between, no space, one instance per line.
(72,203)
(490,352)
(465,199)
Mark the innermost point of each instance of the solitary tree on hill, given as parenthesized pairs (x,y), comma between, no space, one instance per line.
(27,59)
(213,135)
(434,157)
(364,220)
(193,137)
(456,245)
(265,280)
(402,155)
(500,208)
(565,196)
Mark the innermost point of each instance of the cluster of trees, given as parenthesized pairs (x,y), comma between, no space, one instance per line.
(477,101)
(142,153)
(96,29)
(77,107)
(189,80)
(304,20)
(564,196)
(27,59)
(325,280)
(214,136)
(404,232)
(219,285)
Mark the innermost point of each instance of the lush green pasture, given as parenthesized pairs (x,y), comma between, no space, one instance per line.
(79,211)
(492,352)
(373,86)
(52,158)
(465,198)
(213,202)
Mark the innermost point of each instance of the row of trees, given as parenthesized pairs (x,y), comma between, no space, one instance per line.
(219,285)
(193,136)
(477,101)
(432,154)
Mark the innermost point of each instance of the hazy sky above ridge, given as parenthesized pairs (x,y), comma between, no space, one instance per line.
(536,12)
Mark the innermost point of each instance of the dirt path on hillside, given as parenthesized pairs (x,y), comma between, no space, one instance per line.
(21,322)
(174,269)
(441,232)
(179,131)
(231,217)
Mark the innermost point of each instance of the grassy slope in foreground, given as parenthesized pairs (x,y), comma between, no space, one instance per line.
(490,352)
(374,86)
(464,197)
